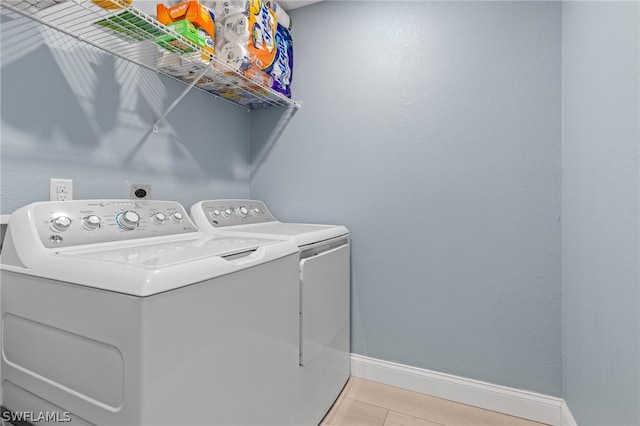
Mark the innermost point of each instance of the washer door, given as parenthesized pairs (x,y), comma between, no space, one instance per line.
(324,292)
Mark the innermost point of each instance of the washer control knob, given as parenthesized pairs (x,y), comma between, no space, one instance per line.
(243,212)
(255,211)
(61,223)
(128,220)
(227,212)
(91,222)
(158,218)
(215,213)
(177,217)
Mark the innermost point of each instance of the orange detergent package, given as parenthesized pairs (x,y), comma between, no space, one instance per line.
(262,31)
(112,5)
(192,11)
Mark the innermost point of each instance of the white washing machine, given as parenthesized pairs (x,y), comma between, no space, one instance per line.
(120,312)
(324,293)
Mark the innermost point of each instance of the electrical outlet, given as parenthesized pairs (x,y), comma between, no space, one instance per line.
(139,191)
(60,189)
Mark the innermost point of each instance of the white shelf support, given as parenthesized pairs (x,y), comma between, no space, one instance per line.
(182,95)
(275,134)
(286,118)
(283,122)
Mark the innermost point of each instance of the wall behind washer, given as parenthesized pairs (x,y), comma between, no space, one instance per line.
(71,111)
(433,131)
(601,190)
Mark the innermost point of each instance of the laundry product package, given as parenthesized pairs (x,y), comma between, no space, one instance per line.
(227,85)
(191,20)
(254,36)
(281,14)
(112,5)
(281,70)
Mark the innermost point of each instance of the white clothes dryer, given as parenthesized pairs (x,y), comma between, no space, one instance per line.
(324,270)
(121,312)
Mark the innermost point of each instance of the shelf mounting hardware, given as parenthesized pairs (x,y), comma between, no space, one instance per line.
(275,134)
(182,95)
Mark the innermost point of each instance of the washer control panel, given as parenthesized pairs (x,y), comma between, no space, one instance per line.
(78,222)
(221,213)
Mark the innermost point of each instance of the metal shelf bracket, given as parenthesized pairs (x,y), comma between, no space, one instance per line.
(182,95)
(275,134)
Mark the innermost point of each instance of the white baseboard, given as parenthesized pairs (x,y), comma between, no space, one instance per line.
(567,416)
(515,402)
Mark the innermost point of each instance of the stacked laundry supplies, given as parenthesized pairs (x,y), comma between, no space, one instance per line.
(252,37)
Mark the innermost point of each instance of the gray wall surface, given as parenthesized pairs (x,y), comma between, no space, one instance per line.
(601,185)
(71,111)
(433,131)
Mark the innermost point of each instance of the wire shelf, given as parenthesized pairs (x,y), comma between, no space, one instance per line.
(126,32)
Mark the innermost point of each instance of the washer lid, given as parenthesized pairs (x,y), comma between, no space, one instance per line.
(164,254)
(160,265)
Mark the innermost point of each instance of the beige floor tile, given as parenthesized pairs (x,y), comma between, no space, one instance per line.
(349,412)
(399,419)
(427,407)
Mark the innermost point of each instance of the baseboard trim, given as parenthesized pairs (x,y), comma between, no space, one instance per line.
(567,416)
(528,405)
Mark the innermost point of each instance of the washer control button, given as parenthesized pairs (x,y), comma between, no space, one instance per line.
(61,223)
(177,217)
(91,222)
(158,218)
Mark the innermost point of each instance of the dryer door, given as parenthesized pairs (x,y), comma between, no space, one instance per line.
(324,292)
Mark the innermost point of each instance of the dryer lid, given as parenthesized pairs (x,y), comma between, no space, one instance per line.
(300,233)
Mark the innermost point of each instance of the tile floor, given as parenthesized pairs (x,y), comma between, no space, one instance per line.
(367,403)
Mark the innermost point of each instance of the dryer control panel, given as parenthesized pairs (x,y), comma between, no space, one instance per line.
(79,222)
(221,213)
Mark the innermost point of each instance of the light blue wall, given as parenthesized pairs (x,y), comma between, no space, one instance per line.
(71,111)
(601,185)
(430,129)
(433,131)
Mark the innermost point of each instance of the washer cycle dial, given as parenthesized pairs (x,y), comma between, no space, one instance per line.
(61,223)
(91,222)
(128,220)
(177,217)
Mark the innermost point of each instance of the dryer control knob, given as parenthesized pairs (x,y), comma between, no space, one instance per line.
(91,222)
(243,212)
(177,217)
(61,223)
(128,220)
(158,218)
